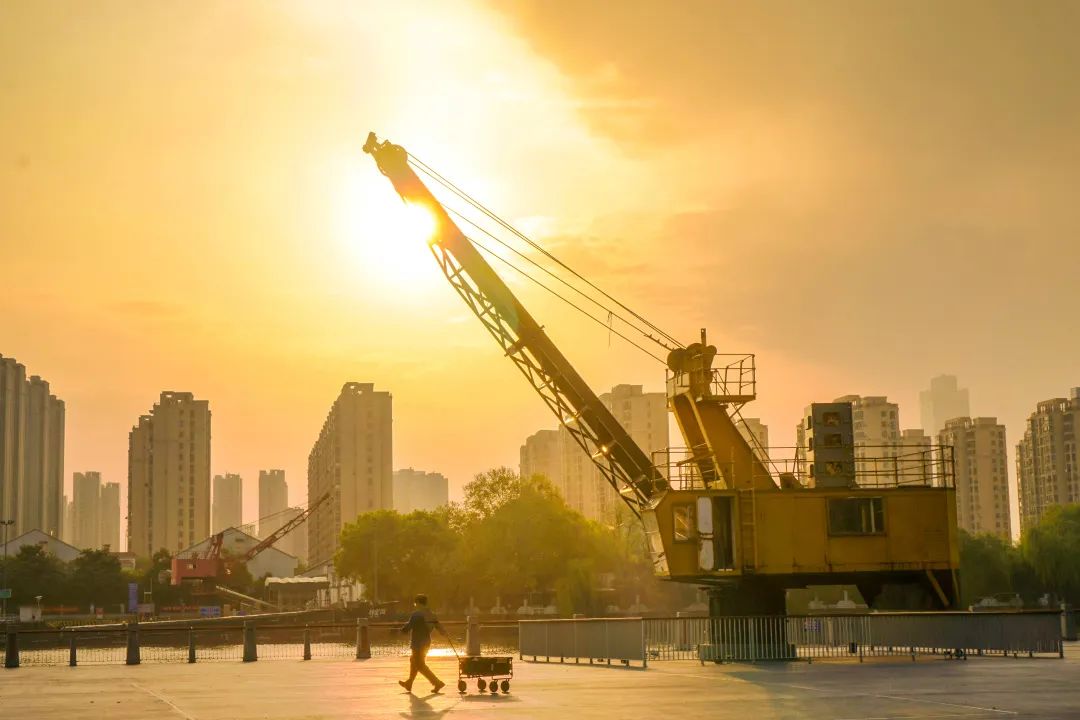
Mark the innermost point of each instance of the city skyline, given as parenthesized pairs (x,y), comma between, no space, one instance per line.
(250,511)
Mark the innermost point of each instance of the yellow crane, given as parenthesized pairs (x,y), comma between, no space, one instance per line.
(720,513)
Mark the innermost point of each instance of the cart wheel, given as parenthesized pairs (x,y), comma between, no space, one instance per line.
(461,686)
(505,686)
(494,686)
(481,684)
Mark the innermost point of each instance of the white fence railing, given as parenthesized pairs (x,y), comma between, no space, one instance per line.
(593,639)
(955,634)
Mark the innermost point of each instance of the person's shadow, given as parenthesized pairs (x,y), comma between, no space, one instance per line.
(420,707)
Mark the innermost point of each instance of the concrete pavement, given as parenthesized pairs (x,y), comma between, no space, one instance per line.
(976,689)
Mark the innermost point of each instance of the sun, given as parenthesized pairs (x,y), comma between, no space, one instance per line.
(387,237)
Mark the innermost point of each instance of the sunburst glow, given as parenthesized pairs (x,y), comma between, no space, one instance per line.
(388,238)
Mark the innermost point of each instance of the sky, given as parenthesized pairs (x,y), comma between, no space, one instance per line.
(865,195)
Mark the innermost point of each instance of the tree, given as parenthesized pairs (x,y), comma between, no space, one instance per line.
(97,579)
(34,571)
(1052,548)
(396,556)
(491,490)
(986,566)
(156,578)
(527,545)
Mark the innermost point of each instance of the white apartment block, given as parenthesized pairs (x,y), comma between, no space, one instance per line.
(555,455)
(352,460)
(169,475)
(31,452)
(227,508)
(419,490)
(981,474)
(1048,458)
(943,401)
(273,501)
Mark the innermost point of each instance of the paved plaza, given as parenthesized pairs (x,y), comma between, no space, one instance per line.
(893,689)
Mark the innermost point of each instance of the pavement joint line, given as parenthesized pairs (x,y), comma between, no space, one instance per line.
(948,704)
(915,717)
(175,708)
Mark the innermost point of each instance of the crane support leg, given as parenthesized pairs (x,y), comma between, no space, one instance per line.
(720,451)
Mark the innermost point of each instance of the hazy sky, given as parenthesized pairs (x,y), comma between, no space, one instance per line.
(863,194)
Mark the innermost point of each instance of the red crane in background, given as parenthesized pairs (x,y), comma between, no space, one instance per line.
(212,566)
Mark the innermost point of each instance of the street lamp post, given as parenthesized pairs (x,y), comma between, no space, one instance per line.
(3,572)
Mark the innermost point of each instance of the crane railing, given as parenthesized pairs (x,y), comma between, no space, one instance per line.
(876,466)
(735,381)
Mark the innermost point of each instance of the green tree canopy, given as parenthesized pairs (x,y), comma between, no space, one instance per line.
(97,579)
(1052,549)
(33,571)
(511,538)
(396,556)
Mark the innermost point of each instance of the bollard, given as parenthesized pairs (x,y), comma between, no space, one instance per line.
(11,656)
(133,657)
(472,636)
(191,644)
(307,642)
(251,653)
(1068,623)
(363,641)
(72,660)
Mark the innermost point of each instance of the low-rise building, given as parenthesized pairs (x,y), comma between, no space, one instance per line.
(53,545)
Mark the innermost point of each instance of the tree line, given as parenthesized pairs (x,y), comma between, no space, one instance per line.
(1046,562)
(511,540)
(95,579)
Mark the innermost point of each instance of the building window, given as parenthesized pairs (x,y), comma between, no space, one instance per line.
(682,518)
(856,516)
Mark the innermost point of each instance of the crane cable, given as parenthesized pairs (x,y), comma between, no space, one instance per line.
(423,167)
(566,300)
(548,272)
(428,170)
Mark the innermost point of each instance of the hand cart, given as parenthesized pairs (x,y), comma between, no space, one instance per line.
(492,672)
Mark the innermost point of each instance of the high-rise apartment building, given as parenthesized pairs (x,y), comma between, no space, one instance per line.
(1048,458)
(554,454)
(169,475)
(95,513)
(68,534)
(273,501)
(110,516)
(86,510)
(876,423)
(753,427)
(883,453)
(31,452)
(980,471)
(228,506)
(352,460)
(944,401)
(542,454)
(296,542)
(419,490)
(916,459)
(756,433)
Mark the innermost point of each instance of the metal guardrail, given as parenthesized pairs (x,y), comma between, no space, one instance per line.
(948,634)
(876,466)
(593,639)
(139,643)
(597,640)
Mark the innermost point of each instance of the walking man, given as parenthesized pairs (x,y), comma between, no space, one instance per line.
(420,624)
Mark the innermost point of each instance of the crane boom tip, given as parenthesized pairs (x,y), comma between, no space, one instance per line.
(371,143)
